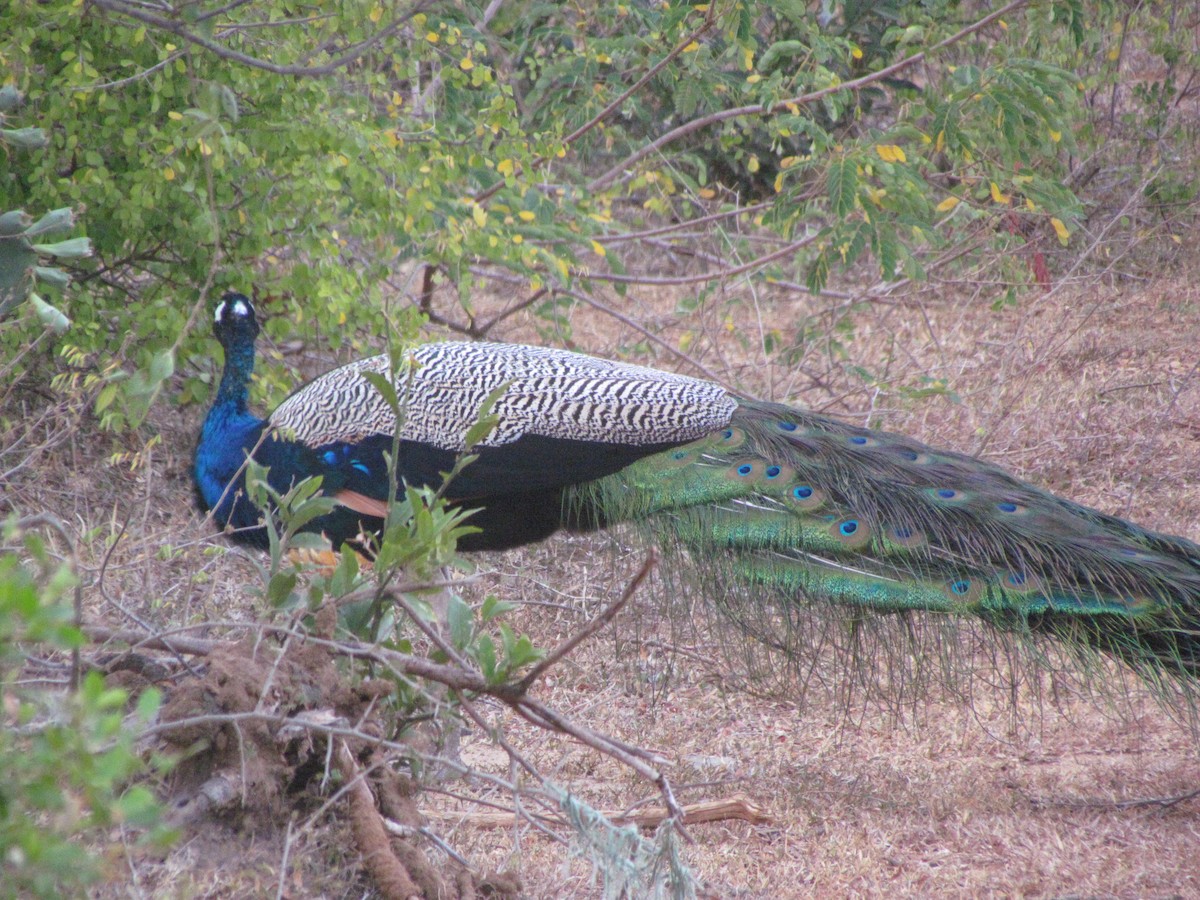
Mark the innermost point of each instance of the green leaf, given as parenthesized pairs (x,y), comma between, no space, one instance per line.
(14,222)
(56,277)
(49,316)
(24,138)
(493,606)
(280,587)
(459,620)
(162,365)
(55,220)
(72,248)
(485,654)
(486,421)
(10,98)
(386,389)
(841,185)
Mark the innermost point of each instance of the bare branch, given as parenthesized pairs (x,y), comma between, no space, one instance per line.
(349,54)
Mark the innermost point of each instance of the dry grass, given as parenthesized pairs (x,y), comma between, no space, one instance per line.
(1091,392)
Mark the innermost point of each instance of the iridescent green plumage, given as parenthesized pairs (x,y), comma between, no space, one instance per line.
(811,508)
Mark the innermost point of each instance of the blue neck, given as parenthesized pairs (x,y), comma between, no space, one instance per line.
(234,391)
(230,431)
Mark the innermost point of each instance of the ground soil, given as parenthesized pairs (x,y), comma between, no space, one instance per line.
(1090,390)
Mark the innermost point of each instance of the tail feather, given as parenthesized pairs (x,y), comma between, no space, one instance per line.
(816,509)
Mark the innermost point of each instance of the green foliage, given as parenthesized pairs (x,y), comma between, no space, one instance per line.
(331,153)
(23,241)
(67,760)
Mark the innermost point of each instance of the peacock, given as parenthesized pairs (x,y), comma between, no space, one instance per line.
(780,500)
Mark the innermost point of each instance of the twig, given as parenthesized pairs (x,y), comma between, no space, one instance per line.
(738,806)
(349,55)
(591,627)
(645,332)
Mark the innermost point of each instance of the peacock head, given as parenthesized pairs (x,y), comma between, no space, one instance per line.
(234,321)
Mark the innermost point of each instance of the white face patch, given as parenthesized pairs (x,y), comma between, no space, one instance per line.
(240,308)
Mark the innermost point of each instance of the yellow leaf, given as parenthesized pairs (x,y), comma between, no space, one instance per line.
(890,153)
(169,173)
(518,239)
(1030,205)
(692,47)
(1055,136)
(376,14)
(856,53)
(753,164)
(948,204)
(479,214)
(526,216)
(779,182)
(753,79)
(433,37)
(598,249)
(707,193)
(1061,230)
(748,59)
(999,196)
(465,64)
(174,116)
(940,144)
(505,167)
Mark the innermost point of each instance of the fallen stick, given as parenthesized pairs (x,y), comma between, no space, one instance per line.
(738,806)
